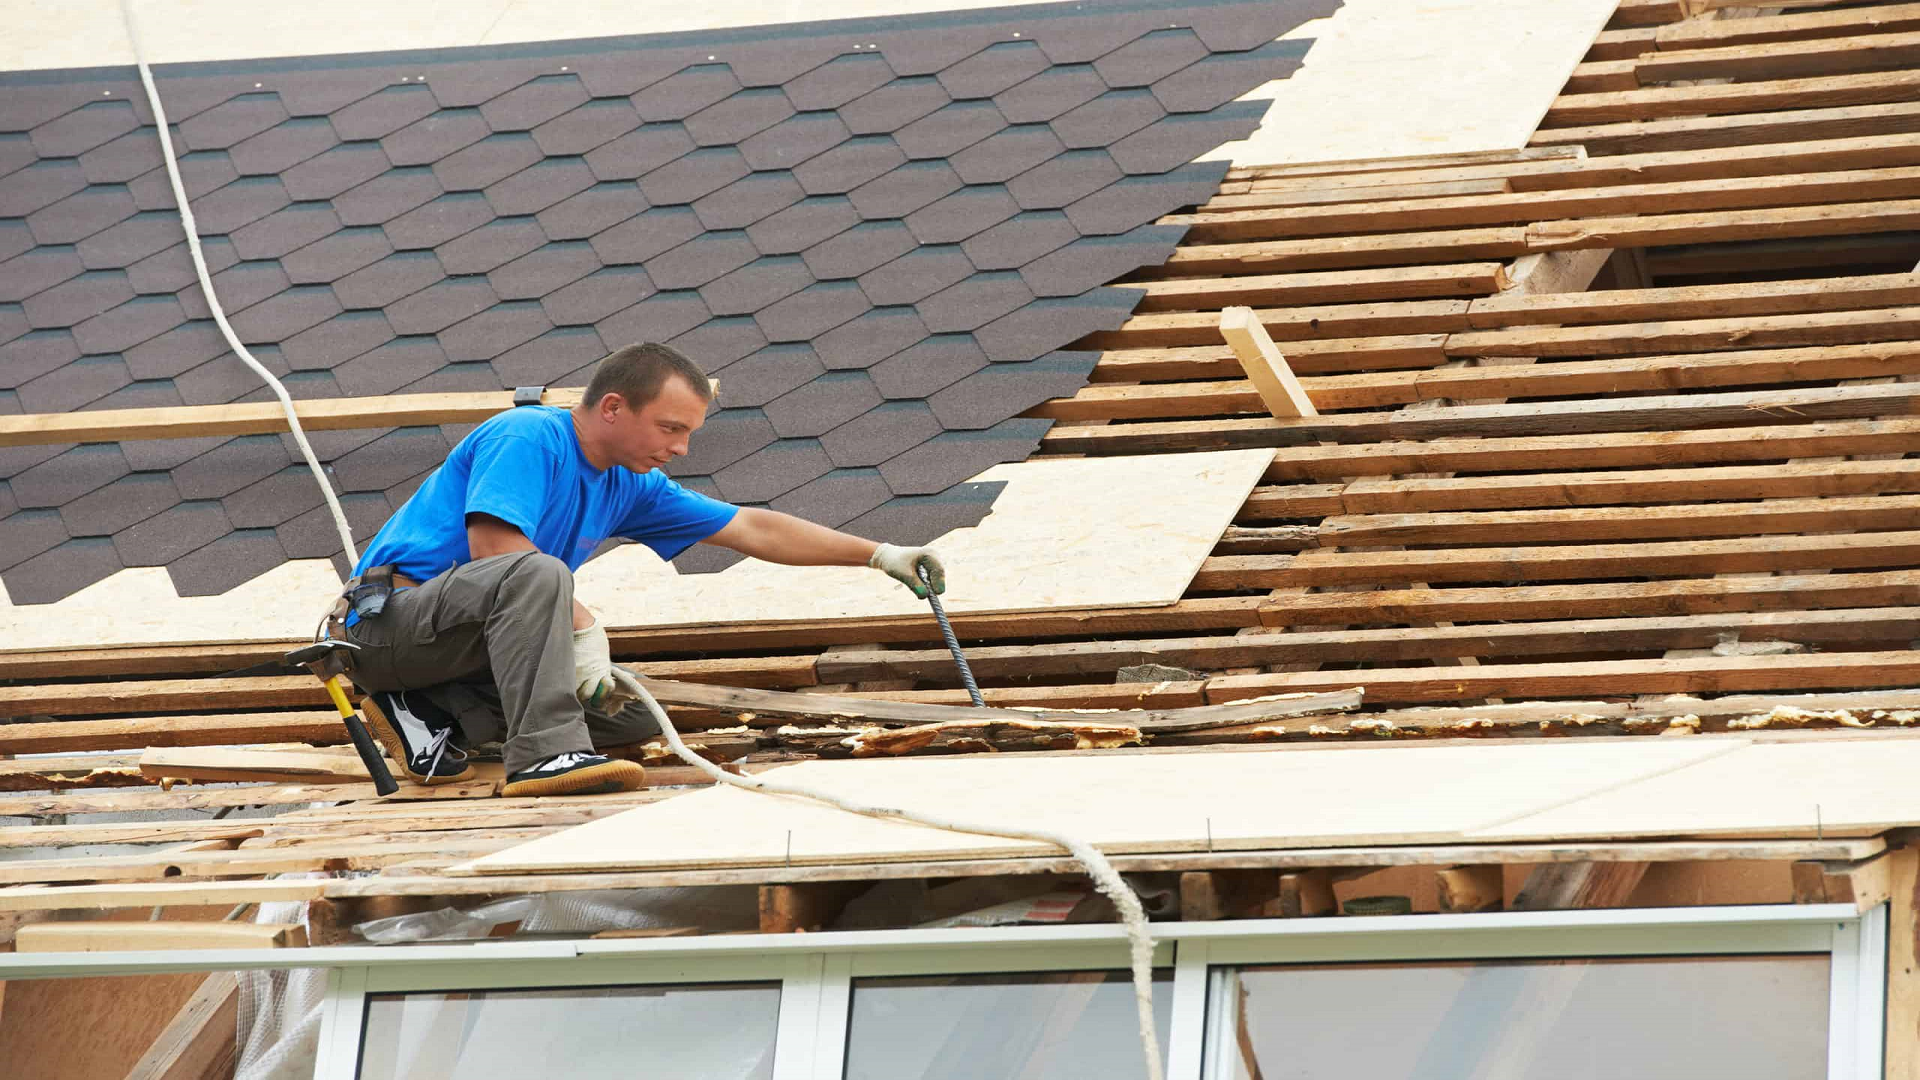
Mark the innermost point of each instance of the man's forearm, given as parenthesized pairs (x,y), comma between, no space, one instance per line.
(775,537)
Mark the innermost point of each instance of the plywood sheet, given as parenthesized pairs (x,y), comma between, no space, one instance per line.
(1097,532)
(1054,540)
(1774,789)
(1389,78)
(1135,803)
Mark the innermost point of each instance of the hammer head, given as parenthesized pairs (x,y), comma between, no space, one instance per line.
(324,658)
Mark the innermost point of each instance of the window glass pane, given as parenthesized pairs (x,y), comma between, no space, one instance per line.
(1666,1018)
(1055,1025)
(588,1033)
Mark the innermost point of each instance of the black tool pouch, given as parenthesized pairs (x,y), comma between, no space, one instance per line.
(366,595)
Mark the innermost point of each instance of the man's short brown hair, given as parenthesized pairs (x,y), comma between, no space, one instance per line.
(637,372)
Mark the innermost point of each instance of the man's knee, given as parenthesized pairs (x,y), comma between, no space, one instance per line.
(536,573)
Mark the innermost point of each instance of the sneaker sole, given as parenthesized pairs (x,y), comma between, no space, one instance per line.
(593,780)
(389,737)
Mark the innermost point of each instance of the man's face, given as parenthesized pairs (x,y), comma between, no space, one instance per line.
(646,438)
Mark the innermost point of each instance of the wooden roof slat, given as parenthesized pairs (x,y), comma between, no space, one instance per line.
(1636,488)
(1382,644)
(1681,596)
(1782,58)
(1368,464)
(1695,133)
(1668,413)
(1799,26)
(1688,675)
(1697,195)
(1570,562)
(1658,102)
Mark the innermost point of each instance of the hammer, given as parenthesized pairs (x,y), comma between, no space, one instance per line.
(328,660)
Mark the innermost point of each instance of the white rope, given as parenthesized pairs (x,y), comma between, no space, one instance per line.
(213,302)
(1105,878)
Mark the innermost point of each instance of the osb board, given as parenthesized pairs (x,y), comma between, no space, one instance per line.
(1063,534)
(1391,78)
(1778,789)
(1092,532)
(1139,803)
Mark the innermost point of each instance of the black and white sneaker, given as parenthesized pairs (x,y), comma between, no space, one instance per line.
(418,734)
(576,774)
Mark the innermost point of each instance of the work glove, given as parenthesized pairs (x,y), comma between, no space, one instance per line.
(899,563)
(597,681)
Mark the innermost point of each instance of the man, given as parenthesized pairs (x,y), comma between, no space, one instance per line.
(481,631)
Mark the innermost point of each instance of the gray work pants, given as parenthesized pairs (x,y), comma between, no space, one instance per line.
(491,641)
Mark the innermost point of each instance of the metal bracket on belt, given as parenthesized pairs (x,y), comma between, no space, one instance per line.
(527,395)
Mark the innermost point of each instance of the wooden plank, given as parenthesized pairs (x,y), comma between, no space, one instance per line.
(1861,551)
(1573,637)
(1864,885)
(1695,520)
(868,710)
(1373,166)
(1685,675)
(257,418)
(1623,44)
(221,764)
(91,802)
(107,935)
(53,737)
(1730,193)
(198,1043)
(1307,357)
(1827,91)
(273,691)
(1632,13)
(1662,229)
(1808,26)
(1268,371)
(1369,494)
(1811,154)
(1687,596)
(1697,301)
(1289,324)
(1781,59)
(1746,129)
(1903,966)
(1629,489)
(1566,379)
(1584,416)
(1345,286)
(1308,196)
(1334,253)
(1601,76)
(1693,335)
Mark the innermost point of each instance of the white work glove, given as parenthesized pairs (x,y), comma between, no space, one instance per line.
(899,563)
(597,682)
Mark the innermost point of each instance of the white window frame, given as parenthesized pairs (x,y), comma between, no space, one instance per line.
(816,971)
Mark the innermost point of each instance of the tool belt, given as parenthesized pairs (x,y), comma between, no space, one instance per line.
(365,597)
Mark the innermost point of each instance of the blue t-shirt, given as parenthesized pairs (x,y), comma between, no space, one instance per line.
(525,467)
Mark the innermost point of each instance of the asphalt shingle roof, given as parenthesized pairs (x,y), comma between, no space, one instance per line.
(880,236)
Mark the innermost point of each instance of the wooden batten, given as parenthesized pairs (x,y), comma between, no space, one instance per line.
(1265,367)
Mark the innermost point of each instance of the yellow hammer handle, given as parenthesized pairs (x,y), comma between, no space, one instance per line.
(339,696)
